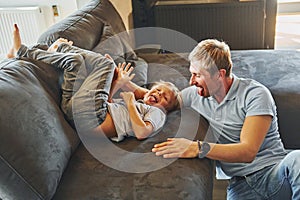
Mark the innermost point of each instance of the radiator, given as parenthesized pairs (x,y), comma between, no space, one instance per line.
(30,21)
(240,24)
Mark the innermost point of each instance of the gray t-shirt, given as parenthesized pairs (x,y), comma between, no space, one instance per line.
(245,98)
(120,116)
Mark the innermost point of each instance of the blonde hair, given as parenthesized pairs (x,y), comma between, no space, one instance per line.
(173,105)
(212,55)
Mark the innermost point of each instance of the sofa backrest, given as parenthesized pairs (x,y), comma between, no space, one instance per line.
(278,70)
(84,27)
(98,27)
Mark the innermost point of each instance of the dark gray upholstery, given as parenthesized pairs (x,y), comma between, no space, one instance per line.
(279,70)
(36,141)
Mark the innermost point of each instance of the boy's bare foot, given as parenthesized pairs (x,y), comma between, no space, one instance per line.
(54,46)
(108,57)
(16,43)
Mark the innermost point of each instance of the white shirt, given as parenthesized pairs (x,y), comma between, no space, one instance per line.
(120,116)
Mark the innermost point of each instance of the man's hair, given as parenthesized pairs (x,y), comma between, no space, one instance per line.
(173,105)
(212,55)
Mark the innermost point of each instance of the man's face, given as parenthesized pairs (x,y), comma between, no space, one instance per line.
(205,83)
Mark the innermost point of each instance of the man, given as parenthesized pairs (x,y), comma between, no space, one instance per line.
(243,135)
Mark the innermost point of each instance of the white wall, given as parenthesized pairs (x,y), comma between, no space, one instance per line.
(124,8)
(292,7)
(65,7)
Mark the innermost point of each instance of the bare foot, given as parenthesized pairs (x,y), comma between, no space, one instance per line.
(16,43)
(108,57)
(54,46)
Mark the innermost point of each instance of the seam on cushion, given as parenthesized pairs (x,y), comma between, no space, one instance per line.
(21,177)
(4,64)
(83,16)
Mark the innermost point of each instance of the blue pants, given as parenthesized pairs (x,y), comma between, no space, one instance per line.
(86,85)
(280,181)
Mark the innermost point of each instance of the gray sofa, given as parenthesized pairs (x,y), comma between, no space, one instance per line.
(43,157)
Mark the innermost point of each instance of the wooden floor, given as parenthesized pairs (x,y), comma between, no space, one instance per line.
(219,191)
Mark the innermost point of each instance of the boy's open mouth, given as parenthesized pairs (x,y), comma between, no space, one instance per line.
(153,98)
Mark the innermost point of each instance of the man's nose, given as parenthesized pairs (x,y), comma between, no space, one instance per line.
(192,81)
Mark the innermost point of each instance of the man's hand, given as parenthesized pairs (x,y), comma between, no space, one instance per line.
(176,148)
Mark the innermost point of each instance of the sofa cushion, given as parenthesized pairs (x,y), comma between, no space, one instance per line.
(168,67)
(131,171)
(36,141)
(119,48)
(101,30)
(117,45)
(88,21)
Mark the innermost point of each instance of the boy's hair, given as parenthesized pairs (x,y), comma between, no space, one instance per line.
(173,105)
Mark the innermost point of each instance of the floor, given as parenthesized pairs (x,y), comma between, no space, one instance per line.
(287,37)
(219,191)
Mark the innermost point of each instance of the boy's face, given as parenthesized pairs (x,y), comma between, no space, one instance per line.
(159,96)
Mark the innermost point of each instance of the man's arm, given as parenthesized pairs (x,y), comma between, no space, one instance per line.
(252,136)
(253,133)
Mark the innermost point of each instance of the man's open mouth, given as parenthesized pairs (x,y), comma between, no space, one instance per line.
(201,91)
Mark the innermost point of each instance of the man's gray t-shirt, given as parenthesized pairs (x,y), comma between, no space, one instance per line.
(120,116)
(246,97)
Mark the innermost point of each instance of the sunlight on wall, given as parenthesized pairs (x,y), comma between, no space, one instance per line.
(287,1)
(287,32)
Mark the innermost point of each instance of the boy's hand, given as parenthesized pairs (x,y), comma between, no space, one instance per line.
(124,73)
(128,97)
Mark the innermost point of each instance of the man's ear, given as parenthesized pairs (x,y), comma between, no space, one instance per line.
(222,73)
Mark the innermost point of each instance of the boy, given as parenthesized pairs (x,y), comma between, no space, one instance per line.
(90,81)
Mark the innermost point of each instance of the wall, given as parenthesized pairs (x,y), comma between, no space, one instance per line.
(289,7)
(66,7)
(124,8)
